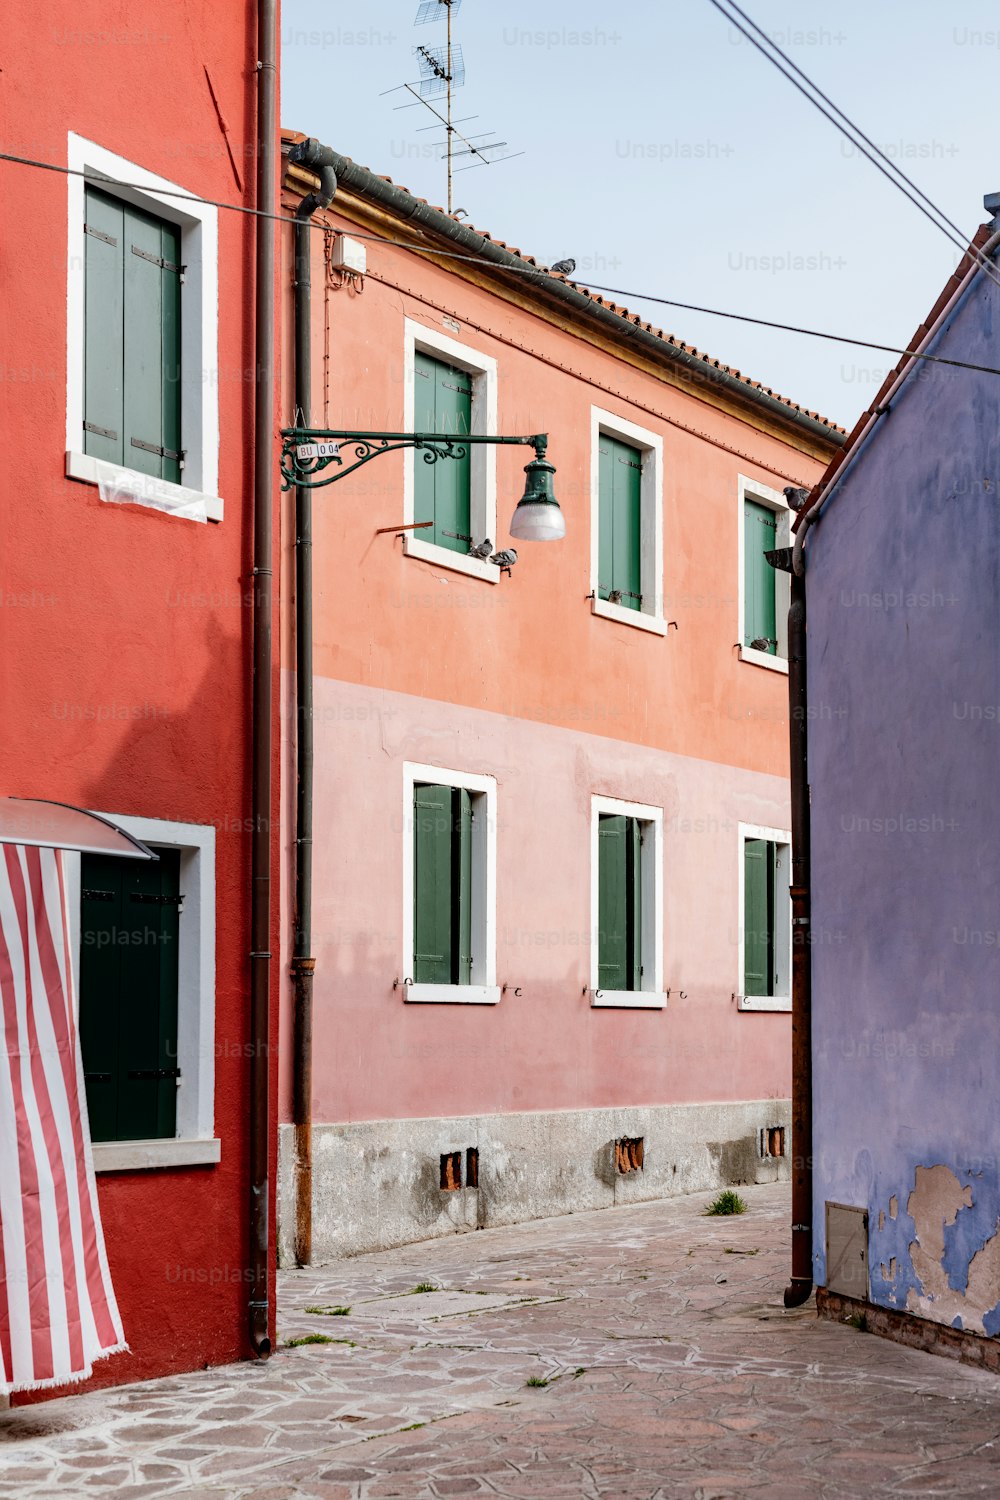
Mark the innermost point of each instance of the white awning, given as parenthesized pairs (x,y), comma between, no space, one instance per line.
(40,824)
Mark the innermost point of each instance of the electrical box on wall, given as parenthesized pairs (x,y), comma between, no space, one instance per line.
(349,255)
(847,1250)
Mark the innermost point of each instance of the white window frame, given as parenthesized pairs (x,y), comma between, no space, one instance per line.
(752,489)
(650,615)
(484,989)
(783,923)
(651,996)
(198,223)
(482,456)
(195,1142)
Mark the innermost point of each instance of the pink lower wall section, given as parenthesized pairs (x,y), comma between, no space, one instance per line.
(378,1058)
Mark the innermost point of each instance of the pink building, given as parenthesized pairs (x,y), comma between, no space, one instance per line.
(550,911)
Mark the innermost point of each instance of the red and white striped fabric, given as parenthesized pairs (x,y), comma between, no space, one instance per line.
(57,1306)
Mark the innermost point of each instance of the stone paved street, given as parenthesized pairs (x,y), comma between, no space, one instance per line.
(662,1361)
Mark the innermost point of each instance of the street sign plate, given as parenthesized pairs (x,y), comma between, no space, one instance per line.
(317,450)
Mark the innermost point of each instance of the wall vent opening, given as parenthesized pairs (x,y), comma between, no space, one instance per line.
(451,1171)
(472,1167)
(772,1140)
(629,1153)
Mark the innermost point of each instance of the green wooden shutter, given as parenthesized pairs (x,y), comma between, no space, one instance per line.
(433,821)
(462,838)
(605,510)
(152,345)
(442,490)
(612,904)
(103,411)
(760,530)
(619,904)
(633,849)
(100,999)
(758,917)
(619,558)
(130,928)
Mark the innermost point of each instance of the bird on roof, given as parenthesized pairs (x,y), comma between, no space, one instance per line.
(564,267)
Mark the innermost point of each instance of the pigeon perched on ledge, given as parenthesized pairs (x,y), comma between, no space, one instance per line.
(505,559)
(482,551)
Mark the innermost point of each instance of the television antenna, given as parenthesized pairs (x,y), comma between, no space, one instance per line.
(442,70)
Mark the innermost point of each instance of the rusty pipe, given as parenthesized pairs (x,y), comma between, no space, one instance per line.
(259,1311)
(801,1283)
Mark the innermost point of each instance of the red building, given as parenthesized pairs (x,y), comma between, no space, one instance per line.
(129,610)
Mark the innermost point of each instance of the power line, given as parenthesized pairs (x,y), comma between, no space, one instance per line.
(939,222)
(99,180)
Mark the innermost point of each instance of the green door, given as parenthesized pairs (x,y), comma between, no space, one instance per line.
(619,557)
(442,490)
(760,529)
(129,931)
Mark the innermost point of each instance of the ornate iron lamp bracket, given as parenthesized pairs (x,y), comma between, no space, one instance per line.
(306,452)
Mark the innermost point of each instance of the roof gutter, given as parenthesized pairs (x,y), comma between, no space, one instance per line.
(404,206)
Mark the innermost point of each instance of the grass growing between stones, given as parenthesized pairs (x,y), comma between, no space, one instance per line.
(310,1338)
(727,1202)
(424,1286)
(536,1381)
(329,1312)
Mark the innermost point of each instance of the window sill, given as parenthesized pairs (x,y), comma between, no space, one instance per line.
(451,994)
(764,1002)
(764,659)
(629,999)
(83,466)
(457,562)
(141,1156)
(655,624)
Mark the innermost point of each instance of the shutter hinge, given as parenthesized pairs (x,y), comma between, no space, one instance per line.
(145,1075)
(162,452)
(100,431)
(88,894)
(149,898)
(99,234)
(157,260)
(458,535)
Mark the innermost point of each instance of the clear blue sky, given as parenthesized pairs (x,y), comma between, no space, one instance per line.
(664,154)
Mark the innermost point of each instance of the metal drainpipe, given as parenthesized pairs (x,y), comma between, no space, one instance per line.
(319,159)
(800,1285)
(260,900)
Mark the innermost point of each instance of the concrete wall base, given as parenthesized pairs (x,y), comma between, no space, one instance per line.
(377,1183)
(906,1328)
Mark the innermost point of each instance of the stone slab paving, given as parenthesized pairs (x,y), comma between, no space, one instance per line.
(663,1362)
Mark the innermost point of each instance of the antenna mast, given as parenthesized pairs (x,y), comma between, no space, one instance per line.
(442,70)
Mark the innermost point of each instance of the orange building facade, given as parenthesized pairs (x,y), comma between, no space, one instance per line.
(609,719)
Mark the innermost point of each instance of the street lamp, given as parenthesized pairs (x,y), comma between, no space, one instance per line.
(306,452)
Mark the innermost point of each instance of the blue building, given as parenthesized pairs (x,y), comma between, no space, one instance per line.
(901,542)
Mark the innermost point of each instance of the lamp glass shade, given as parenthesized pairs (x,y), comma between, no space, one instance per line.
(537,521)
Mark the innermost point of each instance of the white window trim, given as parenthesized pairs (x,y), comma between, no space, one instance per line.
(482,456)
(751,489)
(783,948)
(651,996)
(195,1141)
(651,521)
(484,989)
(199,228)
